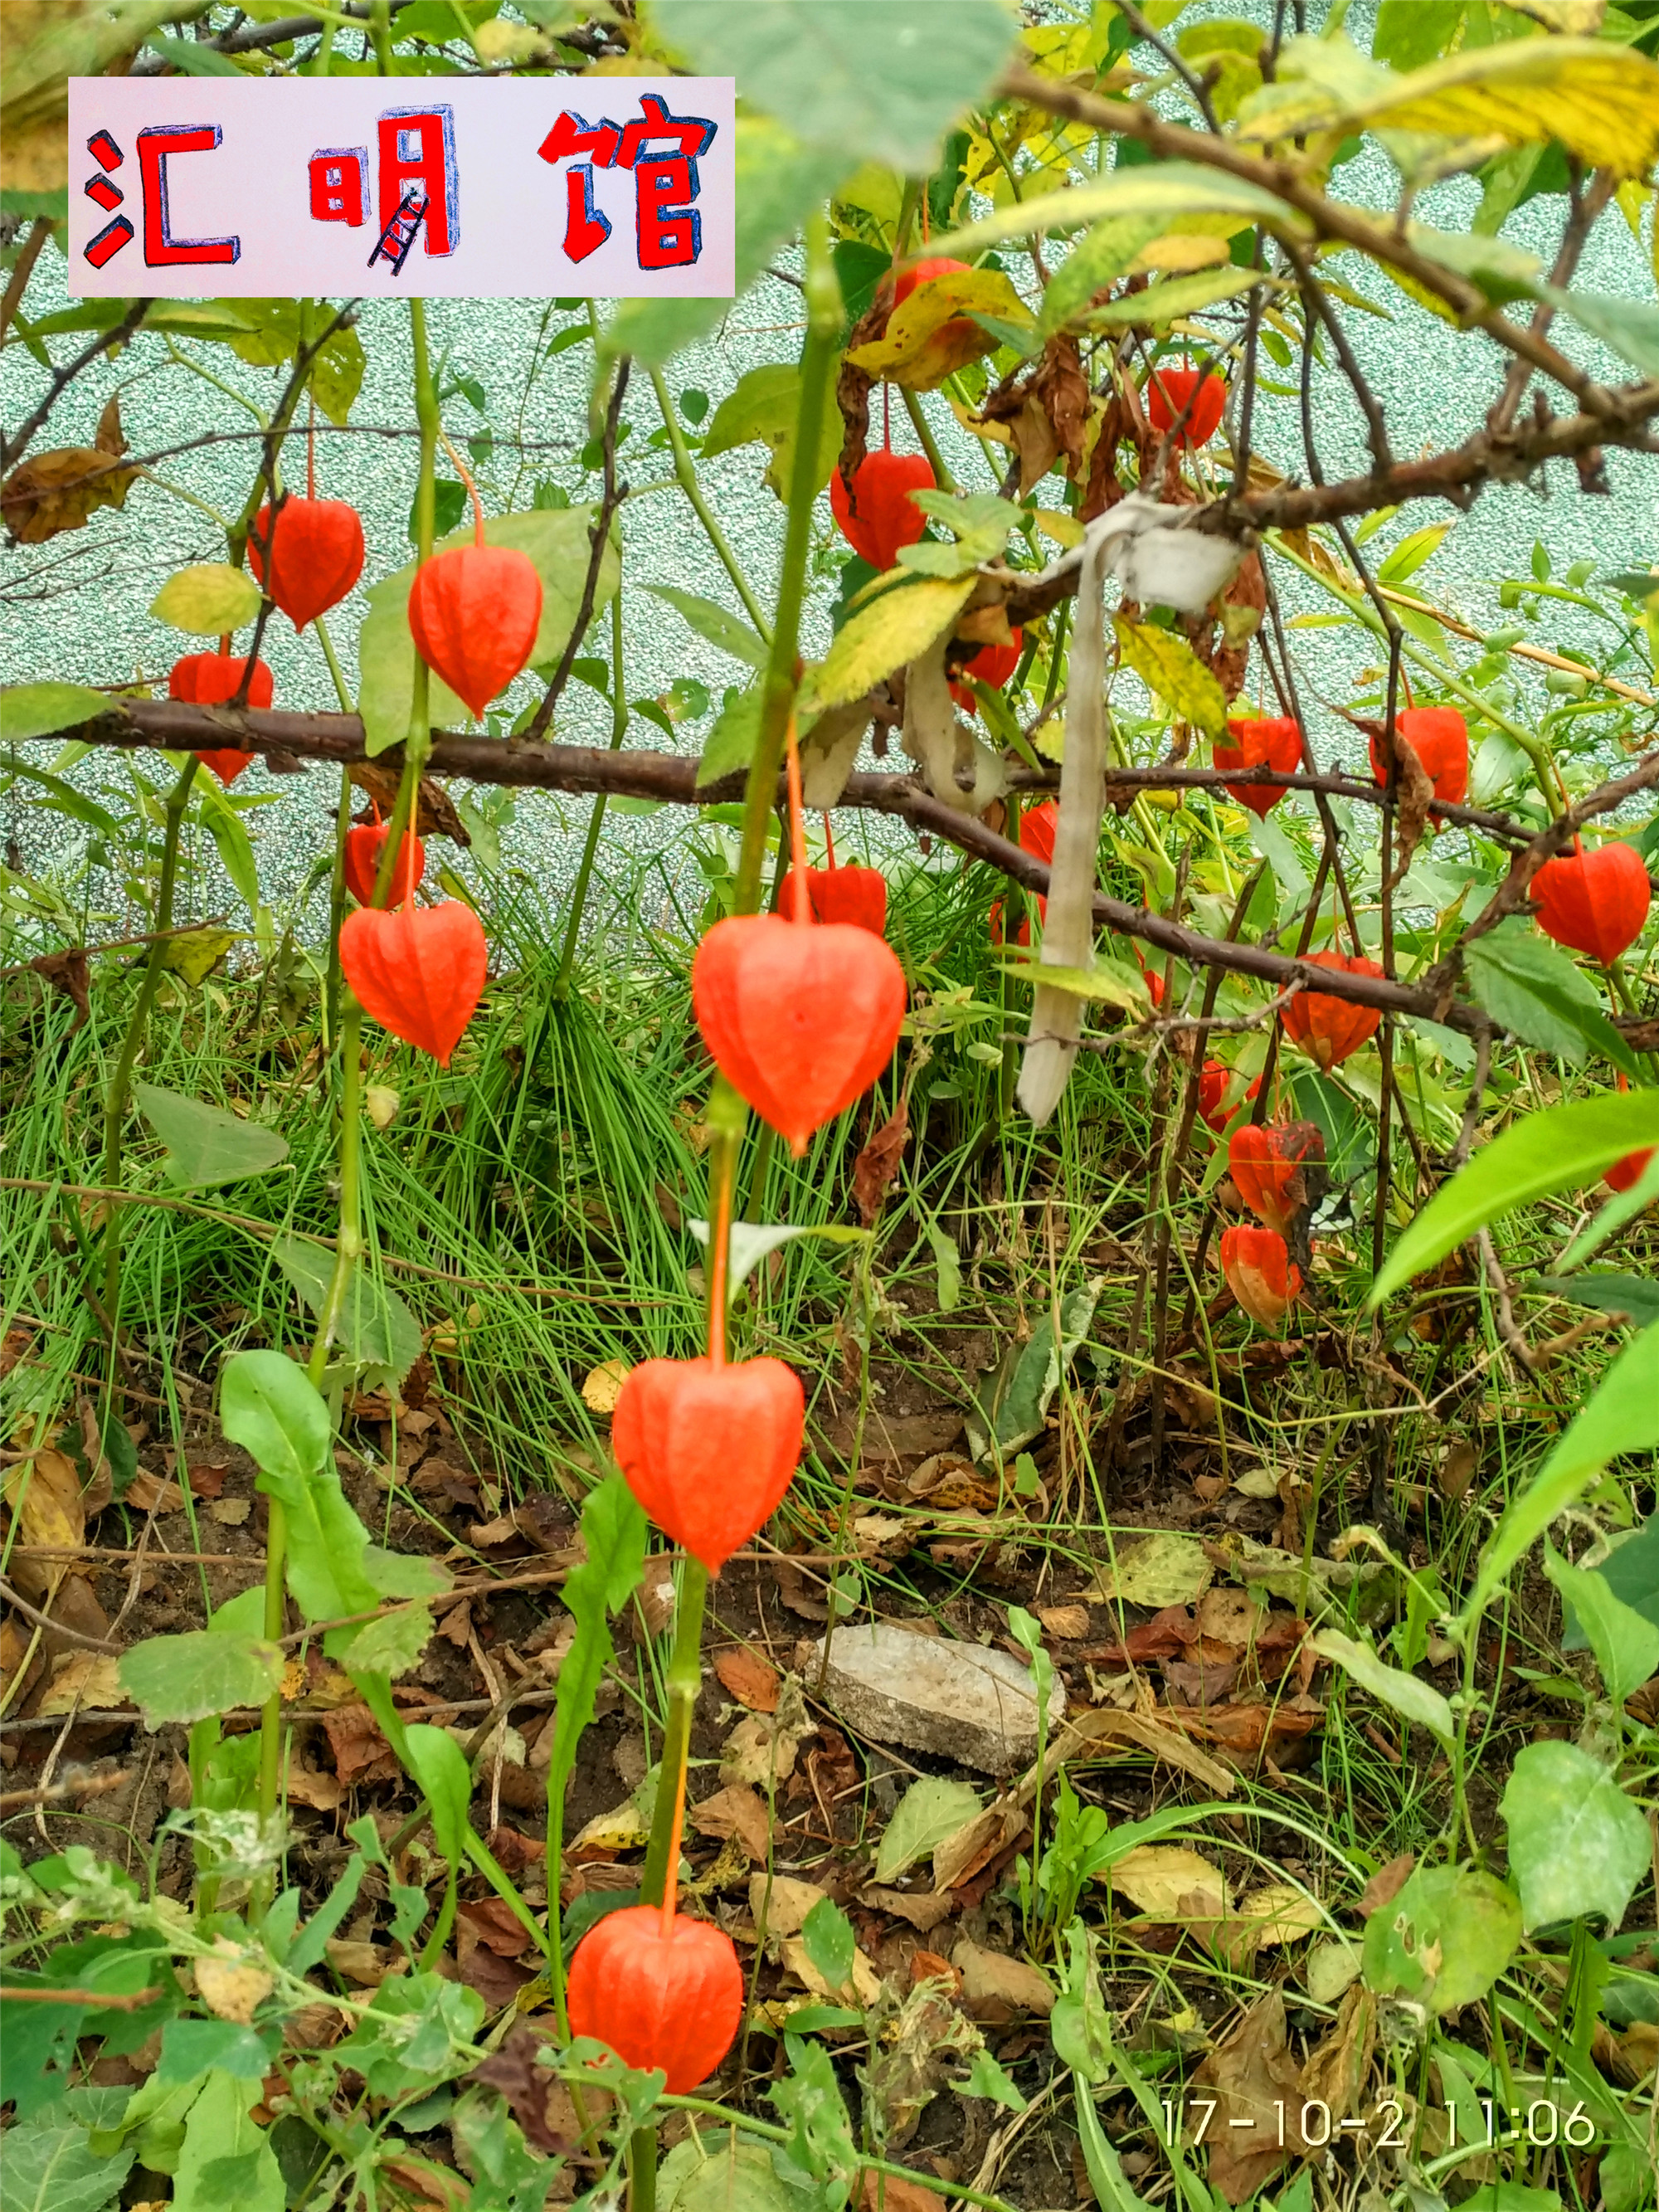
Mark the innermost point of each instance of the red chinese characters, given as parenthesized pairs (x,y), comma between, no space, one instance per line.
(662,150)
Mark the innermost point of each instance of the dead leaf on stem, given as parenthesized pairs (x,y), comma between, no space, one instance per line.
(61,490)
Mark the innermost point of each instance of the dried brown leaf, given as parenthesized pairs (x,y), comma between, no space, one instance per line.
(752,1679)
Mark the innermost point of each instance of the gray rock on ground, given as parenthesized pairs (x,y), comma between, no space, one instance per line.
(931,1693)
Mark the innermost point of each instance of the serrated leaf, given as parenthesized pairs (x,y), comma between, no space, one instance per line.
(1167,665)
(204,1144)
(207,600)
(1598,99)
(731,743)
(886,634)
(186,1678)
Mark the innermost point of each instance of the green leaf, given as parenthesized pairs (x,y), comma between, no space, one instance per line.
(310,1945)
(376,1330)
(810,2102)
(613,1537)
(439,1764)
(337,374)
(985,2078)
(1626,1646)
(390,1645)
(751,1243)
(190,2047)
(1622,1415)
(62,798)
(1114,980)
(35,710)
(875,83)
(764,409)
(730,745)
(195,953)
(1565,1148)
(1412,553)
(929,1811)
(207,600)
(204,1144)
(1098,258)
(981,524)
(1536,992)
(220,2128)
(1635,1296)
(948,1261)
(224,822)
(1167,665)
(416,2033)
(722,2170)
(1163,189)
(1630,1572)
(50,2167)
(1171,298)
(1445,1940)
(1577,1843)
(715,622)
(190,58)
(186,1678)
(887,634)
(555,540)
(828,1935)
(1023,1407)
(780,180)
(1415,1700)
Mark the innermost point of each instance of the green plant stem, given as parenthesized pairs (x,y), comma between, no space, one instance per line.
(823,322)
(349,1244)
(115,1101)
(379,31)
(418,743)
(596,823)
(685,475)
(642,2170)
(759,1168)
(919,423)
(685,1678)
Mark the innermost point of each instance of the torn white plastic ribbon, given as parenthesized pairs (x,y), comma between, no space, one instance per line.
(1158,557)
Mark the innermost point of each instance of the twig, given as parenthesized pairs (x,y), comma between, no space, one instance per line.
(598,538)
(75,1785)
(54,1627)
(13,449)
(23,270)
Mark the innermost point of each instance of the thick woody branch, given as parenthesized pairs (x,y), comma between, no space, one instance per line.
(285,738)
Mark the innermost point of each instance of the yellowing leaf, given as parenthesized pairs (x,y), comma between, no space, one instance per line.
(87,1681)
(930,335)
(195,952)
(208,598)
(1167,665)
(233,1983)
(1169,1882)
(602,1386)
(886,634)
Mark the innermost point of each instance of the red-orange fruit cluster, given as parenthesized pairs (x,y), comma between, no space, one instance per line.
(663,1999)
(1440,737)
(992,664)
(1266,1163)
(856,896)
(1327,1029)
(419,971)
(709,1450)
(1261,1273)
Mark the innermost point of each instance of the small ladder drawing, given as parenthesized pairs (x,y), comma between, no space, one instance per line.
(398,235)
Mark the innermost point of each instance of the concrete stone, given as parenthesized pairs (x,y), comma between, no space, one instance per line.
(930,1693)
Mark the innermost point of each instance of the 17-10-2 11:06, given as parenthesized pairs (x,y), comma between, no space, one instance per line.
(1538,2126)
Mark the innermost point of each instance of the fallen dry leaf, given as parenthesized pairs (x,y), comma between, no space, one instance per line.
(1254,2081)
(1068,1623)
(1386,1884)
(735,1811)
(512,2069)
(230,1512)
(231,1984)
(1169,1882)
(151,1493)
(759,1751)
(493,1923)
(323,1793)
(995,1987)
(602,1386)
(744,1675)
(206,1477)
(44,1497)
(362,1754)
(878,1163)
(1334,2074)
(83,1680)
(783,1909)
(867,1982)
(923,1909)
(623,1828)
(887,2192)
(367,1964)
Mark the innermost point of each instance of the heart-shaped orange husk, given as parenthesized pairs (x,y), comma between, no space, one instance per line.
(669,1998)
(316,555)
(1275,741)
(1440,737)
(474,612)
(878,516)
(1199,394)
(419,971)
(800,1020)
(992,664)
(709,1450)
(364,844)
(858,896)
(1265,1161)
(1328,1029)
(1595,901)
(207,679)
(1261,1273)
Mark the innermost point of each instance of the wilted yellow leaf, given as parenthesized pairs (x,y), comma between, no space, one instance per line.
(231,1984)
(602,1386)
(87,1680)
(930,335)
(888,632)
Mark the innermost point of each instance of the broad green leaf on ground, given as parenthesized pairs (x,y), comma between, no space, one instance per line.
(439,1764)
(376,1328)
(555,540)
(1629,327)
(1413,1699)
(1622,1415)
(36,710)
(779,180)
(390,1645)
(715,622)
(1625,1644)
(887,634)
(1023,1407)
(1161,189)
(613,1537)
(1565,1148)
(50,2167)
(1445,1940)
(882,83)
(207,600)
(1534,991)
(226,2159)
(721,2170)
(764,409)
(1167,665)
(751,1243)
(1636,1296)
(929,1811)
(1166,1568)
(186,1678)
(1578,1845)
(204,1144)
(269,1407)
(190,2047)
(831,1944)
